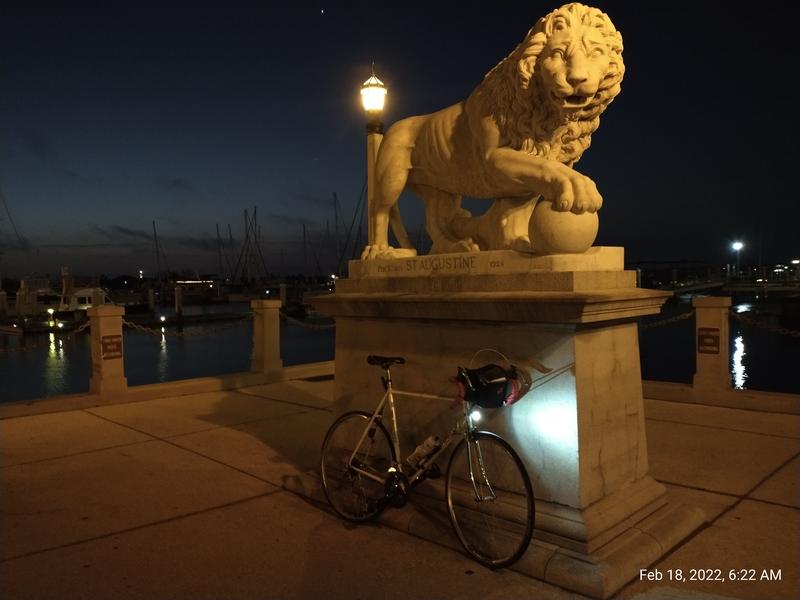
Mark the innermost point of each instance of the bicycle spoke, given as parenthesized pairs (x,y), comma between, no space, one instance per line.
(490,500)
(353,466)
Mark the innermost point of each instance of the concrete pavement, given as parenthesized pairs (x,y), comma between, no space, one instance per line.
(215,495)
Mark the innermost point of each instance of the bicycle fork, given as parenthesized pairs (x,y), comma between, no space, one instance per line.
(473,454)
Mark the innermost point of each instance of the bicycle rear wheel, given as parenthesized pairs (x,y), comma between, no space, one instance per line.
(353,495)
(490,499)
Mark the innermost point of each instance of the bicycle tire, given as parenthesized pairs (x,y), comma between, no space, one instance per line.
(494,532)
(353,496)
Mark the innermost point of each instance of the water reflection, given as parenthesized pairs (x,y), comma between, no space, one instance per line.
(163,361)
(55,366)
(737,366)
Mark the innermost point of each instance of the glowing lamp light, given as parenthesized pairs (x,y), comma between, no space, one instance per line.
(475,415)
(163,319)
(796,261)
(373,94)
(50,311)
(61,325)
(737,246)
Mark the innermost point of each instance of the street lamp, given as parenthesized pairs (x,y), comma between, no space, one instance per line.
(373,97)
(737,246)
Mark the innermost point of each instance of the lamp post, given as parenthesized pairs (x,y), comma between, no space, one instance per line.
(373,97)
(737,246)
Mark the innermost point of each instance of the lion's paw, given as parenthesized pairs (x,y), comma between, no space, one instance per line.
(384,252)
(452,246)
(521,244)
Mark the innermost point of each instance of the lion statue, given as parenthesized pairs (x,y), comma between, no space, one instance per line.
(515,139)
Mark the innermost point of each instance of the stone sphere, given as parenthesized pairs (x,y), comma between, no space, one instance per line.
(558,232)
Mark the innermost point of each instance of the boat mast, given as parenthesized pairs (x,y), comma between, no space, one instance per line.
(158,255)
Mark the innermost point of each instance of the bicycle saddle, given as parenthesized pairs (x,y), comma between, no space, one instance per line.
(385,361)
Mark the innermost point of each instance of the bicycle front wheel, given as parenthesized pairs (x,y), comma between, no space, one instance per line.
(354,464)
(490,499)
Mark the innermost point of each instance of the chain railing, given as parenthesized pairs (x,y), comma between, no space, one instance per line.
(766,326)
(668,321)
(43,342)
(741,317)
(306,324)
(158,331)
(161,330)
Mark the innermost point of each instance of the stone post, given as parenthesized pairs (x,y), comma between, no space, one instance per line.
(711,324)
(266,336)
(108,374)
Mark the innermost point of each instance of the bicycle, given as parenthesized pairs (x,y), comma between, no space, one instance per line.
(489,495)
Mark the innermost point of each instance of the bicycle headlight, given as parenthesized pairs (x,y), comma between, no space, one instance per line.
(475,415)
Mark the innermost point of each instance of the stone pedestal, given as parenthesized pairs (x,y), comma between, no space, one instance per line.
(266,336)
(580,432)
(108,373)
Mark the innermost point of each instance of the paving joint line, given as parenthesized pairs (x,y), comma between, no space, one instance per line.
(233,425)
(728,494)
(195,452)
(72,454)
(758,484)
(253,395)
(758,410)
(708,524)
(143,526)
(776,435)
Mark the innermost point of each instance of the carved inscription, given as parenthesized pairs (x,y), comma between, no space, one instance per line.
(111,346)
(708,340)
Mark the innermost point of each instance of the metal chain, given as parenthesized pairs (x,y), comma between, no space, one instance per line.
(772,328)
(157,331)
(306,324)
(669,320)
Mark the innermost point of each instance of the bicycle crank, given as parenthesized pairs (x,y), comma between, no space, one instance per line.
(396,489)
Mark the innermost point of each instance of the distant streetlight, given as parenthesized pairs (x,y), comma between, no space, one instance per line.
(737,246)
(373,97)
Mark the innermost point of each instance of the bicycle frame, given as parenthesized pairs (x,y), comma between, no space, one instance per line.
(460,429)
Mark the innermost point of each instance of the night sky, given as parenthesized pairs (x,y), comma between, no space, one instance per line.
(113,118)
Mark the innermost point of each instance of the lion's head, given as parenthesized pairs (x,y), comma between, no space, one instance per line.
(548,94)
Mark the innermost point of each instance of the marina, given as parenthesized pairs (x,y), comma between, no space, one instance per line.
(217,340)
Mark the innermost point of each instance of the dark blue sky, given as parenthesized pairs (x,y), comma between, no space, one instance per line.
(112,118)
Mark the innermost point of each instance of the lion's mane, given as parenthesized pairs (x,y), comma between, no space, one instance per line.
(519,105)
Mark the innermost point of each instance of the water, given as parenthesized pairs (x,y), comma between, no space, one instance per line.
(759,359)
(61,364)
(57,364)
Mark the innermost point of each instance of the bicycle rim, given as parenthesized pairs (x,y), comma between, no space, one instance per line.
(352,495)
(493,518)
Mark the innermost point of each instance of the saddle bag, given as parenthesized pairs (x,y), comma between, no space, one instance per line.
(490,386)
